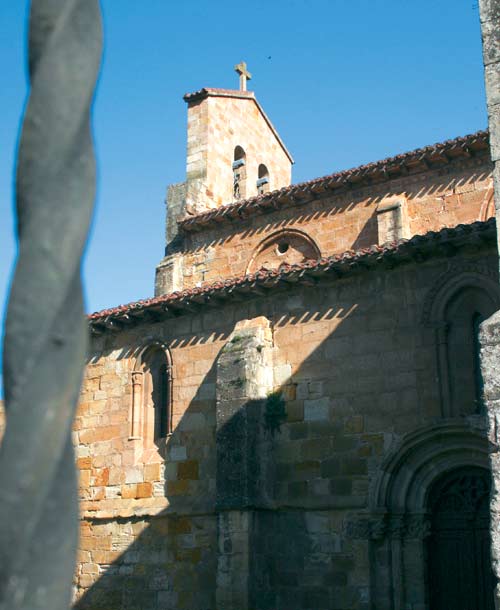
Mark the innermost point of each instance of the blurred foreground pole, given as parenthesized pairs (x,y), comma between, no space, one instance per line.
(46,331)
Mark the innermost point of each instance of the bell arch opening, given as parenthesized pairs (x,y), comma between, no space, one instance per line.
(262,180)
(239,174)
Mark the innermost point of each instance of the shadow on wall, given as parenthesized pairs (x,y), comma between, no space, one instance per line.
(259,507)
(170,561)
(343,203)
(282,557)
(167,560)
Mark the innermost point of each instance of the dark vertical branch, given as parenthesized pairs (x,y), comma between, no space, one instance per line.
(46,335)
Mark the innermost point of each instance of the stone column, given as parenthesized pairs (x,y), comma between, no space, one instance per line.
(244,472)
(136,419)
(490,330)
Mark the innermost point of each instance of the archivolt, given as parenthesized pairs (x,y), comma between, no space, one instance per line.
(453,280)
(488,206)
(151,344)
(407,474)
(289,246)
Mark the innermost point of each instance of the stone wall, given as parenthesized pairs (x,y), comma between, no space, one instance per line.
(458,193)
(169,273)
(217,124)
(287,410)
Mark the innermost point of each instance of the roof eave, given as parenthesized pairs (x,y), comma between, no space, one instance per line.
(380,171)
(416,249)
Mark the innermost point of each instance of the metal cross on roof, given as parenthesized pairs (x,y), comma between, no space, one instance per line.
(245,75)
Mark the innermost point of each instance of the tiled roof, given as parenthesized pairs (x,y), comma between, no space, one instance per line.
(415,161)
(248,95)
(416,249)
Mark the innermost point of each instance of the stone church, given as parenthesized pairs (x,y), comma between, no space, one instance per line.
(295,420)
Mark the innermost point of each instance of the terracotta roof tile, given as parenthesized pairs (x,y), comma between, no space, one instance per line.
(379,171)
(401,251)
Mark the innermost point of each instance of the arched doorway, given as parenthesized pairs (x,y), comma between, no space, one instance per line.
(404,499)
(458,548)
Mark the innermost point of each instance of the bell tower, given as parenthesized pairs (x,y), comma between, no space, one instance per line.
(233,153)
(229,137)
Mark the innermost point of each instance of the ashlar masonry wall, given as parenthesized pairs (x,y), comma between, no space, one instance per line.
(354,368)
(217,124)
(148,529)
(460,192)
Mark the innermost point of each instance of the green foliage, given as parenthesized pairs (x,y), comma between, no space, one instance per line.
(275,412)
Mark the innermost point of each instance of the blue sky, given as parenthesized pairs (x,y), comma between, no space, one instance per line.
(344,81)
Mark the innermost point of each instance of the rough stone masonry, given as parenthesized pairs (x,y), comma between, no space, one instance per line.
(490,332)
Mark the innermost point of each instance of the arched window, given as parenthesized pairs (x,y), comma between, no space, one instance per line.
(263,180)
(455,307)
(152,395)
(463,314)
(239,174)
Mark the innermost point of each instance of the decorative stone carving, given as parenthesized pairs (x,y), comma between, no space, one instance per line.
(395,527)
(401,494)
(418,526)
(357,529)
(378,528)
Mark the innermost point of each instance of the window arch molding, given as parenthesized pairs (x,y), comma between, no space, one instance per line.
(152,393)
(474,283)
(488,206)
(453,281)
(280,245)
